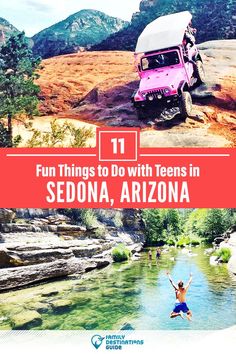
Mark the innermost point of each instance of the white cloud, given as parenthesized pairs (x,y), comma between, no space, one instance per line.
(34,15)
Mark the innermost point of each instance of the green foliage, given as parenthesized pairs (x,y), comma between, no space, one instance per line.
(154,226)
(195,242)
(162,225)
(5,138)
(171,226)
(224,254)
(88,218)
(118,220)
(214,224)
(170,242)
(184,241)
(121,253)
(61,135)
(18,92)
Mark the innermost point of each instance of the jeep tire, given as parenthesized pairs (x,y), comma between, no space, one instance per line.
(186,105)
(141,113)
(200,72)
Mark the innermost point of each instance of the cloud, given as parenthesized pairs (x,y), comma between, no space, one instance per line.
(38,6)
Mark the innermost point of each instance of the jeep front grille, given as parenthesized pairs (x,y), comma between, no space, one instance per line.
(156,93)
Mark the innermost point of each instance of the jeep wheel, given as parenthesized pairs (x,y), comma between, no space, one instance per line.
(186,105)
(141,113)
(200,72)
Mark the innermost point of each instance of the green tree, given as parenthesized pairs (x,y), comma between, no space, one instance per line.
(214,224)
(154,226)
(18,92)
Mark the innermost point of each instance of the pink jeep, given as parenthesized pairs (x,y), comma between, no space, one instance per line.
(169,65)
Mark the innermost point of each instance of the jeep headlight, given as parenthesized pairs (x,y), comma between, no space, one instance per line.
(166,91)
(143,94)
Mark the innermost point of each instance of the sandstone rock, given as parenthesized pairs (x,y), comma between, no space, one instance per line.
(213,260)
(9,259)
(6,216)
(20,258)
(232,264)
(40,307)
(102,262)
(48,293)
(26,319)
(60,306)
(70,228)
(16,277)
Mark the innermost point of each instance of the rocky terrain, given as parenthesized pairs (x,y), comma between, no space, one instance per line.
(79,31)
(97,89)
(214,19)
(6,30)
(229,241)
(38,245)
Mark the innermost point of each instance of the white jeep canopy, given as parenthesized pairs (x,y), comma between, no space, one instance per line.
(165,32)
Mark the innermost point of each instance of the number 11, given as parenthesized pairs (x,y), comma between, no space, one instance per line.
(118,146)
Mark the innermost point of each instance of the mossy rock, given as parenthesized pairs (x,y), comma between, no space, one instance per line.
(40,307)
(131,292)
(61,306)
(80,301)
(90,325)
(108,293)
(26,319)
(49,293)
(5,327)
(80,289)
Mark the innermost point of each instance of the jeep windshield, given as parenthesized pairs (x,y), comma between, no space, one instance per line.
(161,60)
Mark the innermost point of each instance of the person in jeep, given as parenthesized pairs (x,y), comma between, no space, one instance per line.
(189,36)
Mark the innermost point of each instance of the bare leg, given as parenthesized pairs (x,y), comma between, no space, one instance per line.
(189,315)
(174,315)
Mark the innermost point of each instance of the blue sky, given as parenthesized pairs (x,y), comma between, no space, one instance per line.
(35,15)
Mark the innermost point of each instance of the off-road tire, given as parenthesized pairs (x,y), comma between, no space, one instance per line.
(200,72)
(186,105)
(141,113)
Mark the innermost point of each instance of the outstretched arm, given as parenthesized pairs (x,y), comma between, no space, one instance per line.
(189,282)
(171,281)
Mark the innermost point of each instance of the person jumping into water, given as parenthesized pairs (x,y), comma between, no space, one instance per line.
(180,304)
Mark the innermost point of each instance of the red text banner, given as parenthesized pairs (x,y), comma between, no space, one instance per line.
(118,174)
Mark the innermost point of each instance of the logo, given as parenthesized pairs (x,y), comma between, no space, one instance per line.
(97,341)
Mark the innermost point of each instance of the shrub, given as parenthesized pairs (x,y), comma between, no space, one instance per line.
(120,253)
(170,242)
(184,241)
(89,218)
(224,254)
(195,242)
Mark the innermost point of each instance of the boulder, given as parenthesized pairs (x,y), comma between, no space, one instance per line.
(70,228)
(214,260)
(48,293)
(9,259)
(39,307)
(61,306)
(26,319)
(232,264)
(20,258)
(12,278)
(6,216)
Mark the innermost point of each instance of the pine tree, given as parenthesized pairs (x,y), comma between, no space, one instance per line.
(18,92)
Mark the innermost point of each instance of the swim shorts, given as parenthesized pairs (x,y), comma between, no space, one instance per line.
(181,307)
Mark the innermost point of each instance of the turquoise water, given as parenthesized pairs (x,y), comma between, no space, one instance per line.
(139,293)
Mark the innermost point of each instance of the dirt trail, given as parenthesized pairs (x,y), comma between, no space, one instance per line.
(96,87)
